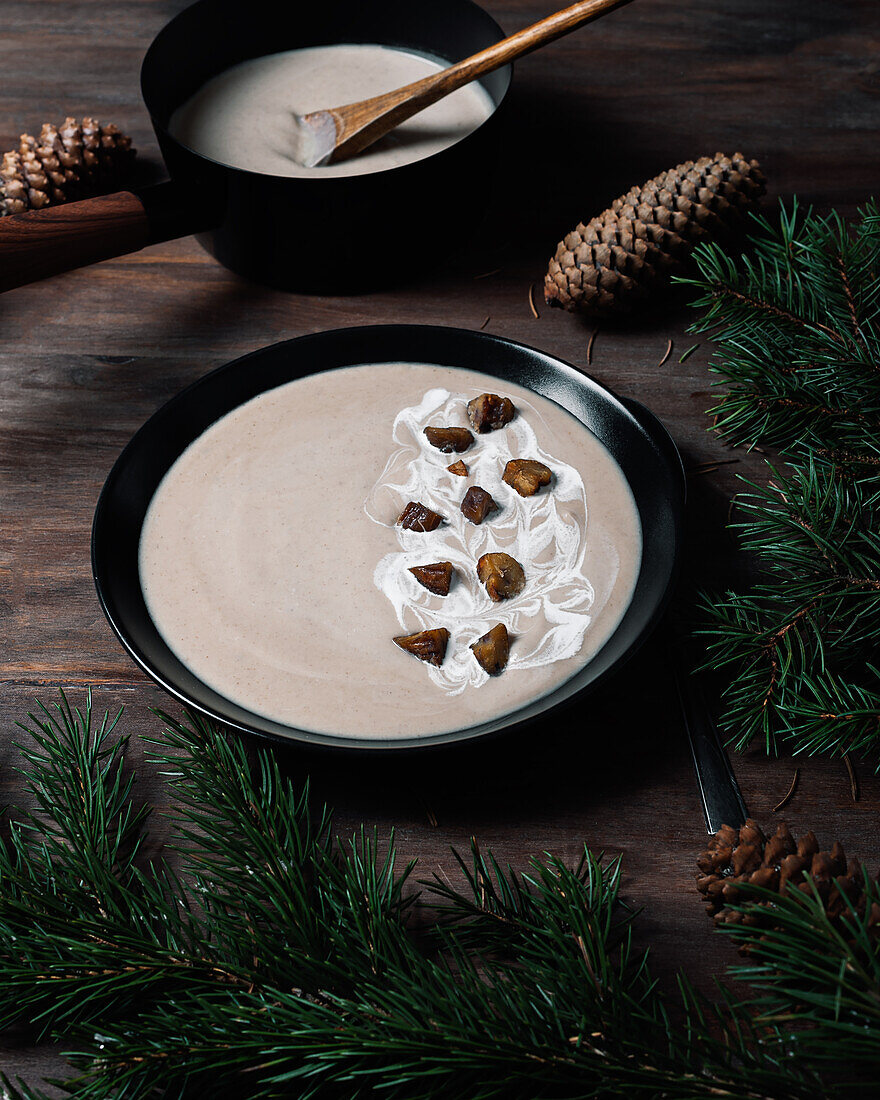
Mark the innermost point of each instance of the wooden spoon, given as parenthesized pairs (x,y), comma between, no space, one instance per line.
(339,132)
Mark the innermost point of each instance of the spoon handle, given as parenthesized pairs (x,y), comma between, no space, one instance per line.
(525,41)
(360,124)
(721,798)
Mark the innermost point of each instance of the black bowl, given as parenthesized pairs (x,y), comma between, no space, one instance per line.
(336,234)
(635,438)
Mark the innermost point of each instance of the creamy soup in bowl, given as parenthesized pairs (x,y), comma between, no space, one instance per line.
(255,552)
(274,564)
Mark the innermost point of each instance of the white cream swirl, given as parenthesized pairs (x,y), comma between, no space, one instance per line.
(546,533)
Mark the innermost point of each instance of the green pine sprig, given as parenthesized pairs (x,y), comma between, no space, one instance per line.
(830,982)
(795,323)
(280,961)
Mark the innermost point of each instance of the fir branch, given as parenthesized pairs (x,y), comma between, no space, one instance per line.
(796,326)
(273,866)
(19,1090)
(89,830)
(795,322)
(298,974)
(830,982)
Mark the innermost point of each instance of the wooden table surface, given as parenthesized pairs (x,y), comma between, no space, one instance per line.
(86,357)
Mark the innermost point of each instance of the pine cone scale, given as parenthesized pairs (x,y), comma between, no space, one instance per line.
(65,163)
(670,214)
(737,857)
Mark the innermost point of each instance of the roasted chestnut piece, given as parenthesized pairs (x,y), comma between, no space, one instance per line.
(450,439)
(489,411)
(436,577)
(418,517)
(427,645)
(477,504)
(502,575)
(493,649)
(526,475)
(458,468)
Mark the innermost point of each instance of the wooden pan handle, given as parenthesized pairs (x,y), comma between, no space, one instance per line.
(46,242)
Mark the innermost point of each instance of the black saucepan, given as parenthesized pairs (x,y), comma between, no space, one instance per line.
(337,234)
(634,437)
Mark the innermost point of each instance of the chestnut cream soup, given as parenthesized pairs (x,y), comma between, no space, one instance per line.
(273,565)
(243,116)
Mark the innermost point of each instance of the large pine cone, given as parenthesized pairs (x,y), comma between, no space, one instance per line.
(619,259)
(745,855)
(65,163)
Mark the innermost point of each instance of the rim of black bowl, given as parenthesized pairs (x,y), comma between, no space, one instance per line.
(634,436)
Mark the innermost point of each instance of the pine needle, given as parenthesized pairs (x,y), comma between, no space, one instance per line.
(710,467)
(535,313)
(487,274)
(788,795)
(592,341)
(853,780)
(667,353)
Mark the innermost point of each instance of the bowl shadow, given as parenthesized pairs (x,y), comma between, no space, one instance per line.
(609,744)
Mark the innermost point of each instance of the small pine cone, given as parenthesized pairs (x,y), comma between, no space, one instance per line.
(629,252)
(745,856)
(65,163)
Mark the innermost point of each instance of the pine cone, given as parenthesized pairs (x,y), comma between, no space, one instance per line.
(741,856)
(64,163)
(629,252)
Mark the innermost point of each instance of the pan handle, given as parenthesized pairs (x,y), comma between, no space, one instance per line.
(46,242)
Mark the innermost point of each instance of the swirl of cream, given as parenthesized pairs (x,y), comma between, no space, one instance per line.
(545,533)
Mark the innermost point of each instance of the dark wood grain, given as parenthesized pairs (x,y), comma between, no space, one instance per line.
(356,126)
(86,357)
(48,242)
